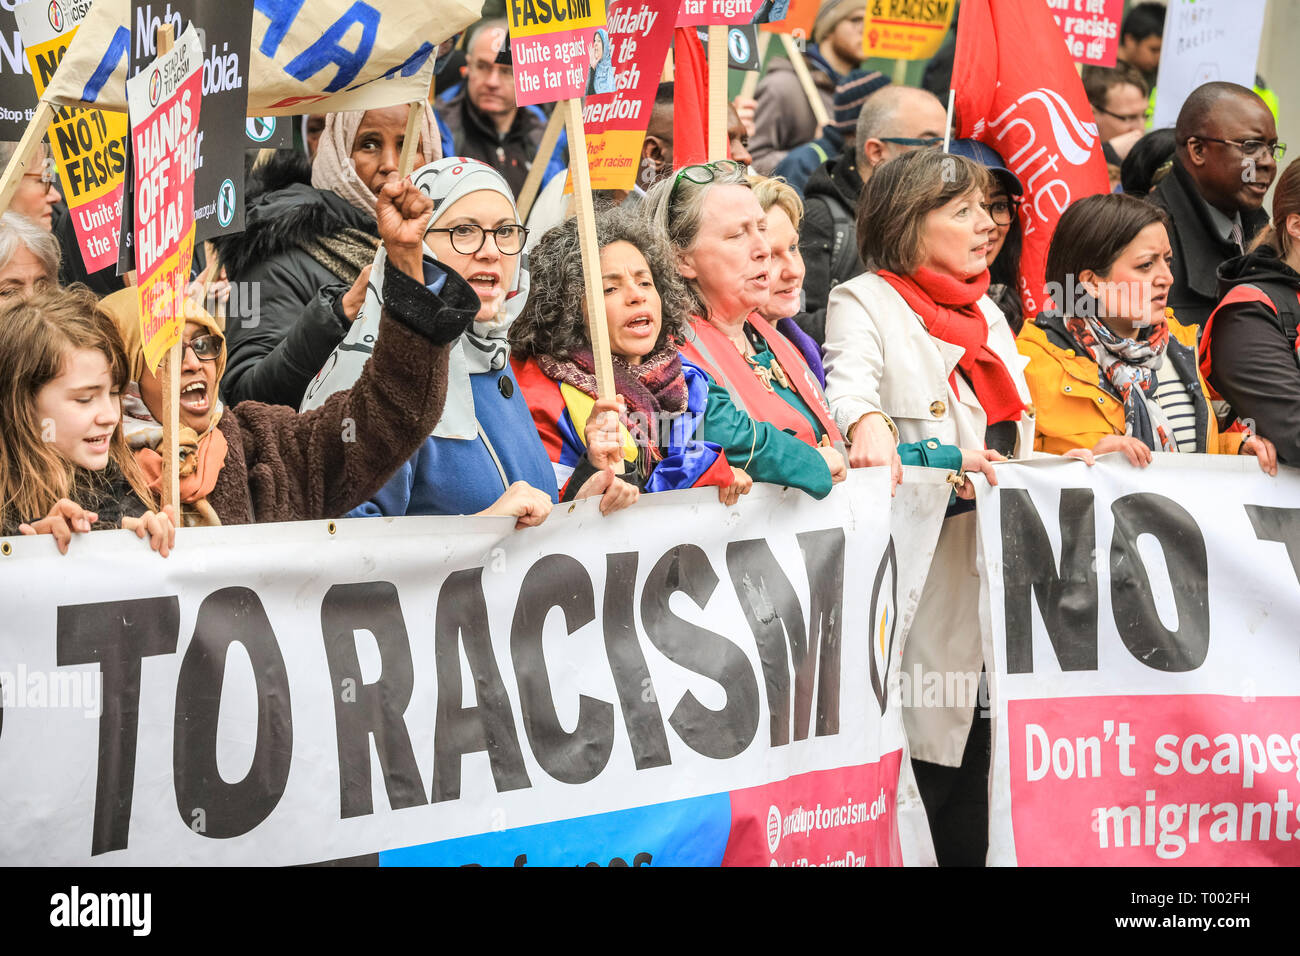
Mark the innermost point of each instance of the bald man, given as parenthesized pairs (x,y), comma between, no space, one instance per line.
(1223,165)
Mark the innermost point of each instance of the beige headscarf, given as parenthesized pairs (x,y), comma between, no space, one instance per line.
(334,170)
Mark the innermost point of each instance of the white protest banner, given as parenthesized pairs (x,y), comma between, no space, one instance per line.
(1141,626)
(165,99)
(1205,41)
(692,685)
(317,57)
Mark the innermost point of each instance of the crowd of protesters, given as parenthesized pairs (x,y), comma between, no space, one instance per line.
(419,349)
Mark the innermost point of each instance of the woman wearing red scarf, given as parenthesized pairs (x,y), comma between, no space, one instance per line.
(916,350)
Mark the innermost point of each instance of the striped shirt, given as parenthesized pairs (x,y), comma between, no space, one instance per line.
(1171,395)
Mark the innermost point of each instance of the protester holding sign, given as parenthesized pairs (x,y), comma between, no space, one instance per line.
(661,398)
(306,249)
(1111,368)
(1248,345)
(258,462)
(64,464)
(717,229)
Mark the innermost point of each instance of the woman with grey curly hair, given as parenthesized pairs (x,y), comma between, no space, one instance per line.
(652,424)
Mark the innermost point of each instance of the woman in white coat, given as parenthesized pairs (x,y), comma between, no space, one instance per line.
(916,350)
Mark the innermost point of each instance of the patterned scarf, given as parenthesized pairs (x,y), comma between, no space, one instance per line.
(344,254)
(1125,363)
(652,389)
(947,307)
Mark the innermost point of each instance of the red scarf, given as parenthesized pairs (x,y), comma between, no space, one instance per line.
(946,305)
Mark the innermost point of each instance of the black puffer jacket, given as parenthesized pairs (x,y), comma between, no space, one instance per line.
(828,238)
(287,319)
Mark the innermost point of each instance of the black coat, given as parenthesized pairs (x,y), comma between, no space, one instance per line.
(828,238)
(476,136)
(277,347)
(1198,250)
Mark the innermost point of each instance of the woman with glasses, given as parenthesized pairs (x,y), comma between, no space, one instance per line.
(1110,367)
(37,194)
(29,257)
(302,262)
(1003,206)
(484,456)
(916,350)
(718,232)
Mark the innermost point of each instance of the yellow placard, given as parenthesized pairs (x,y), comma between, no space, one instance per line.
(906,29)
(614,158)
(530,18)
(161,295)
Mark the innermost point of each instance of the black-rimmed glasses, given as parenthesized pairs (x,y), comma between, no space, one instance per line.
(1251,148)
(206,347)
(1003,212)
(468,238)
(912,140)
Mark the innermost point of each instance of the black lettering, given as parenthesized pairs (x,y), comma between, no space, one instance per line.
(1067,601)
(823,558)
(636,694)
(116,635)
(362,709)
(47,63)
(714,733)
(488,725)
(1139,625)
(557,580)
(230,615)
(1278,524)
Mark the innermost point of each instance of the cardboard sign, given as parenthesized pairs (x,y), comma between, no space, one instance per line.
(906,29)
(553,44)
(1091,29)
(89,145)
(742,46)
(1212,40)
(164,100)
(17,97)
(704,13)
(639,33)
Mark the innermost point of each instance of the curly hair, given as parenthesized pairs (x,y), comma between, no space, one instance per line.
(554,320)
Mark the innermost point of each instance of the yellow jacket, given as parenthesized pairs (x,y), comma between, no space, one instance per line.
(1075,411)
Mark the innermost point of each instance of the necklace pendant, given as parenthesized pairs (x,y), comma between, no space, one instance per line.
(778,373)
(762,373)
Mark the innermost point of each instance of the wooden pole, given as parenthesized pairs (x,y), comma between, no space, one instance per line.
(597,325)
(13,174)
(717,139)
(667,75)
(900,72)
(169,376)
(806,81)
(947,126)
(545,149)
(409,145)
(751,79)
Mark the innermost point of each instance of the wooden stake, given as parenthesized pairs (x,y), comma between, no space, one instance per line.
(900,72)
(13,174)
(409,145)
(597,326)
(667,75)
(751,79)
(717,140)
(169,376)
(545,149)
(806,81)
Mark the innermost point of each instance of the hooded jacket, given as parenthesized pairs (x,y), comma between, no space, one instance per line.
(828,238)
(284,327)
(783,118)
(1198,250)
(1248,347)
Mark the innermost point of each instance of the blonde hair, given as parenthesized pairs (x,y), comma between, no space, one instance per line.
(775,191)
(1286,203)
(39,334)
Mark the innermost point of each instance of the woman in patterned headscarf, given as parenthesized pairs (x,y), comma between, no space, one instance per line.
(484,456)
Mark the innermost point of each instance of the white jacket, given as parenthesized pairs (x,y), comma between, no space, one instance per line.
(880,358)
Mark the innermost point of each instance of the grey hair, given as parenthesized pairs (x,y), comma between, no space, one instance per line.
(16,230)
(553,321)
(675,206)
(880,111)
(501,25)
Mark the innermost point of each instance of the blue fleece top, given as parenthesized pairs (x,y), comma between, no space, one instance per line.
(452,476)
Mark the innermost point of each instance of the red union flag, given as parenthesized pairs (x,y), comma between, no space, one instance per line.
(1018,92)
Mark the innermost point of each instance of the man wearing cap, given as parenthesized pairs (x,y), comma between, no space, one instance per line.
(783,118)
(850,94)
(893,120)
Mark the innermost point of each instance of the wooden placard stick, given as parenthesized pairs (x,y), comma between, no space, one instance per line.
(900,72)
(751,79)
(545,149)
(13,174)
(717,140)
(169,375)
(597,326)
(414,116)
(806,81)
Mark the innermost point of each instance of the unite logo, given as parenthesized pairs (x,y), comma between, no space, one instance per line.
(155,87)
(55,15)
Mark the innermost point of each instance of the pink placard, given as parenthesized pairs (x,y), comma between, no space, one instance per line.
(1091,28)
(701,13)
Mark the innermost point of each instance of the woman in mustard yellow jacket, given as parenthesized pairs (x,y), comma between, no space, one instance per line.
(1112,369)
